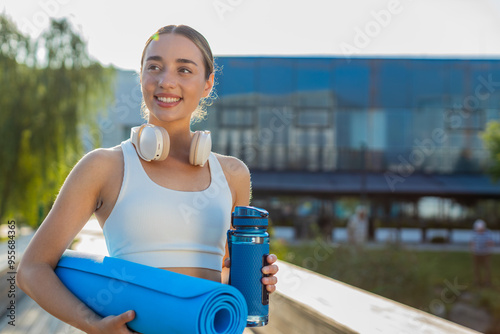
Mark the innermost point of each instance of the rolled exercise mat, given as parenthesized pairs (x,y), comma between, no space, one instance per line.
(163,301)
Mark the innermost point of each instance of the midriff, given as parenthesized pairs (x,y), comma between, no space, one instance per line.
(210,274)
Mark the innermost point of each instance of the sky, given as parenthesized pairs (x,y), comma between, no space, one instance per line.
(116,31)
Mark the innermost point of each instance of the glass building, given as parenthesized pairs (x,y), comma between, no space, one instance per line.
(401,135)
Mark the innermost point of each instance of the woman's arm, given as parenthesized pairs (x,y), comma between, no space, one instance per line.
(238,177)
(76,202)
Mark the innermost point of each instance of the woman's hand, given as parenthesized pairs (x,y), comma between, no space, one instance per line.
(271,269)
(114,324)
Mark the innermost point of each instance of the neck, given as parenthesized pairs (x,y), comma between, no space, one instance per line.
(180,138)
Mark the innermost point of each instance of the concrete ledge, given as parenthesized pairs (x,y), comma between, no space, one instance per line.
(307,302)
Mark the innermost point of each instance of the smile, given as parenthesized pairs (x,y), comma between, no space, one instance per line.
(168,99)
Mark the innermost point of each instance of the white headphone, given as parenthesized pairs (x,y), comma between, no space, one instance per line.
(153,143)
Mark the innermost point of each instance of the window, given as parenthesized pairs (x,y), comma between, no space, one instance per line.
(462,119)
(314,118)
(237,117)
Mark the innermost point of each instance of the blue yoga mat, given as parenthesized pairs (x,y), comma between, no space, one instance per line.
(164,302)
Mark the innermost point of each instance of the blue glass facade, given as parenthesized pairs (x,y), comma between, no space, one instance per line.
(401,136)
(328,114)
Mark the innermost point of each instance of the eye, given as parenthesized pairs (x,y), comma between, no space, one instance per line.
(185,70)
(153,68)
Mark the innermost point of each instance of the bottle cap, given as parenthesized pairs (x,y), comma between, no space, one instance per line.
(249,216)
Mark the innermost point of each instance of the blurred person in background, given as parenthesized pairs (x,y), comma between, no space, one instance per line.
(481,245)
(357,227)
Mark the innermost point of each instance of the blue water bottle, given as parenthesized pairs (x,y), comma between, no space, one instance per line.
(248,247)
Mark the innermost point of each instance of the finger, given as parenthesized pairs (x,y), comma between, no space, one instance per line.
(270,270)
(227,263)
(271,258)
(271,280)
(271,288)
(125,317)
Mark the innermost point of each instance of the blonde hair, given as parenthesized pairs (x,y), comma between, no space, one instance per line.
(208,61)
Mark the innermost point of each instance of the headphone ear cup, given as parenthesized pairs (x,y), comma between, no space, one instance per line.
(146,141)
(153,143)
(166,143)
(201,146)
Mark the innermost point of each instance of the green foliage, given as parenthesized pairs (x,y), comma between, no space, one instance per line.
(50,90)
(491,139)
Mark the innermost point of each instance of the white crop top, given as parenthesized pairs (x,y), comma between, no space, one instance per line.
(161,227)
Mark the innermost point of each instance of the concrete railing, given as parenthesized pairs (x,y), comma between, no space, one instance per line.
(307,302)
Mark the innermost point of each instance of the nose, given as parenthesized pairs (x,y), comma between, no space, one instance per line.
(167,80)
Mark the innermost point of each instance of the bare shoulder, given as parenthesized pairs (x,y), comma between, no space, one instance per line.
(104,157)
(232,166)
(100,162)
(238,178)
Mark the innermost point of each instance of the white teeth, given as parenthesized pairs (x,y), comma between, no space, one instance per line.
(168,99)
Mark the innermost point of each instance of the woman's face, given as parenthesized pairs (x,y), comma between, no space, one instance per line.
(173,78)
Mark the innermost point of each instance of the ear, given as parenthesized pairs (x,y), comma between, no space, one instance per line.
(209,84)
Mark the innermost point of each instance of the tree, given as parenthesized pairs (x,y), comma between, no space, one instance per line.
(50,90)
(491,139)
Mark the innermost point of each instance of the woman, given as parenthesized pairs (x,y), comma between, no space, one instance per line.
(136,201)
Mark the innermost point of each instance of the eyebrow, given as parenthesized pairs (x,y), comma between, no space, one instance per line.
(178,60)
